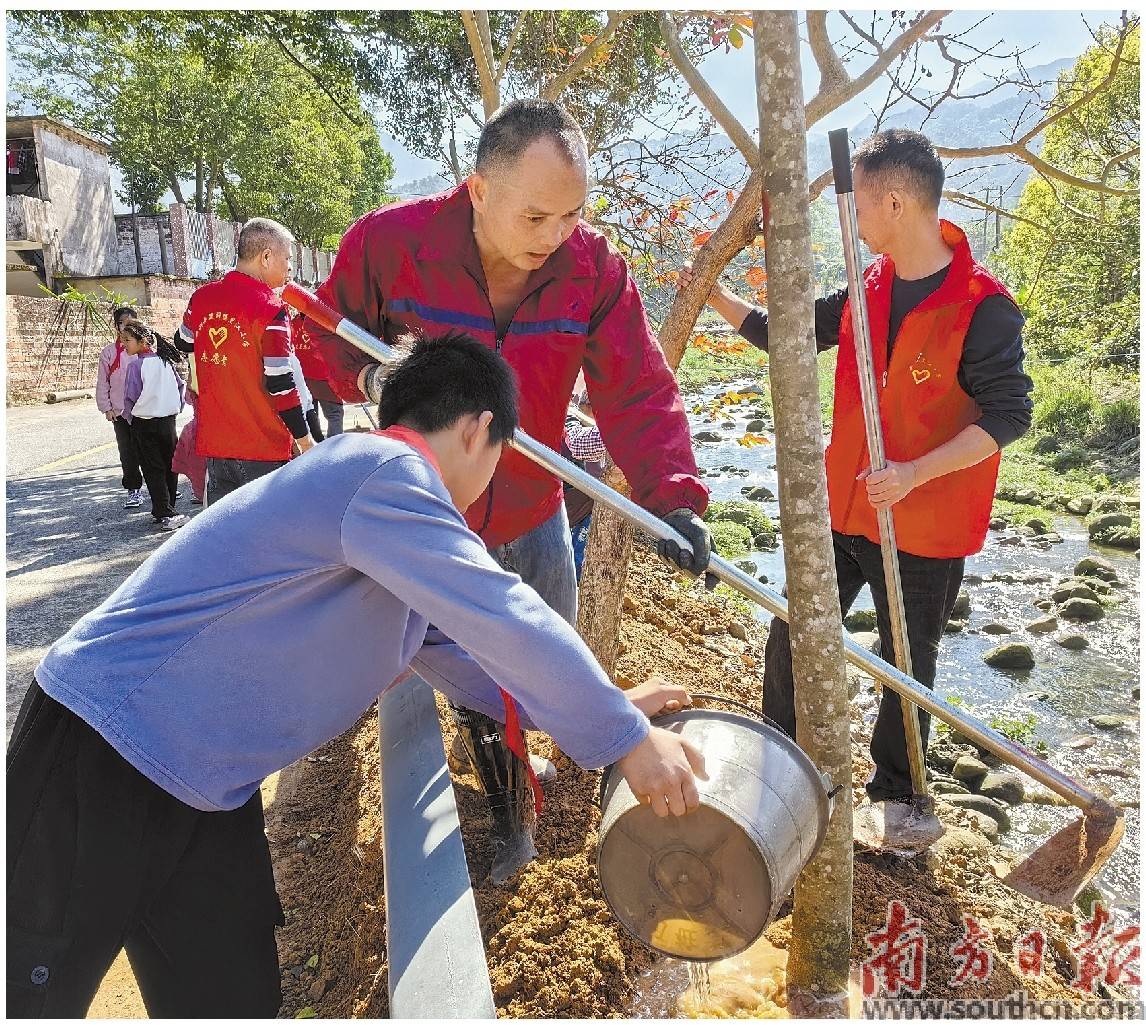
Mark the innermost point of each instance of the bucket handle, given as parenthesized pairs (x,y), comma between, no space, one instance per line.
(739,704)
(744,708)
(827,780)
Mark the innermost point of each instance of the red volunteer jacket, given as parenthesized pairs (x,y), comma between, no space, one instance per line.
(309,358)
(415,266)
(921,407)
(242,345)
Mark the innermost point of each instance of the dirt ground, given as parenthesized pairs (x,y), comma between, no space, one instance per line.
(554,949)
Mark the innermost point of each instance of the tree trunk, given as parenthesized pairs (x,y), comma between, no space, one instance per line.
(603,576)
(176,188)
(822,917)
(606,567)
(199,183)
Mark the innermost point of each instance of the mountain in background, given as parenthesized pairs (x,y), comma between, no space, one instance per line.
(984,121)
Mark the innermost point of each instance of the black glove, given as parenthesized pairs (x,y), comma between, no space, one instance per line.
(694,530)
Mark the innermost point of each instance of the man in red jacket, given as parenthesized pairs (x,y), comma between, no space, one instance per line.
(506,257)
(250,414)
(948,352)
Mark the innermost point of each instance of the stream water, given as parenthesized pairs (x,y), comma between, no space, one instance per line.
(1062,690)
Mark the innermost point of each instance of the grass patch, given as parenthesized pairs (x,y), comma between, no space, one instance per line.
(699,369)
(737,602)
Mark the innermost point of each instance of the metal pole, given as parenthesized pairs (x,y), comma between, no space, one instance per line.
(434,947)
(1003,747)
(869,392)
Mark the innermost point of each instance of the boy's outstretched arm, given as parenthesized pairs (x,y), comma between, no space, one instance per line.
(402,530)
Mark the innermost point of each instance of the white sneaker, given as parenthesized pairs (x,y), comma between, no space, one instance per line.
(134,499)
(171,522)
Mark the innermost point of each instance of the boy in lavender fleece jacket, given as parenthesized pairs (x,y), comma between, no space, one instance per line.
(259,632)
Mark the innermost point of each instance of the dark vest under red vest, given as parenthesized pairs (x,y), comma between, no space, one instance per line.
(921,406)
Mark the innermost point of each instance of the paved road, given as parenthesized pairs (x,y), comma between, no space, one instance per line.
(70,542)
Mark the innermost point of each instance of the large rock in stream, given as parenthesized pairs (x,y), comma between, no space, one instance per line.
(1082,608)
(1002,786)
(1015,655)
(969,770)
(1092,566)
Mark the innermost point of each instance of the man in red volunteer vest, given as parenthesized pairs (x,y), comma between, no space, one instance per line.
(947,345)
(506,257)
(250,414)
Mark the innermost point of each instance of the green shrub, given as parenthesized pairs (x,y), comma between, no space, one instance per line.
(1067,408)
(748,515)
(730,539)
(1120,419)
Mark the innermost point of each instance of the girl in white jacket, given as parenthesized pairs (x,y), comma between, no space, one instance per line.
(152,398)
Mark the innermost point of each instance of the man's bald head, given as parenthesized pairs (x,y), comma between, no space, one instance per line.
(260,234)
(265,251)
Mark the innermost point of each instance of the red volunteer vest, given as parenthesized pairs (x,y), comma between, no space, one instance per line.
(236,418)
(921,407)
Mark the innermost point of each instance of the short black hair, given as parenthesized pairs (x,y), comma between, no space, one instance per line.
(120,312)
(517,125)
(437,380)
(901,158)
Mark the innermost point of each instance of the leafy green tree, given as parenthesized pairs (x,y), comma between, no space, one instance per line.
(1073,255)
(243,129)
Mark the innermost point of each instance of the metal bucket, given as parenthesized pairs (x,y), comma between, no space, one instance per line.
(703,886)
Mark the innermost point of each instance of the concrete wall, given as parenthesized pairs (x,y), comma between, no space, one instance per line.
(52,344)
(76,180)
(154,260)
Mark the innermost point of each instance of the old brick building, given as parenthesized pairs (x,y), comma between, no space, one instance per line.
(64,239)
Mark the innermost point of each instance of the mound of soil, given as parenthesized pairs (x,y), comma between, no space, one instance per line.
(553,947)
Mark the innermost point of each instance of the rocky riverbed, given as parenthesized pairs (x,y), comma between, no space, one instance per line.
(1044,644)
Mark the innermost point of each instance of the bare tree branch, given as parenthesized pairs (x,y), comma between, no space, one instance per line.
(1087,96)
(707,95)
(483,60)
(824,103)
(833,74)
(559,83)
(963,199)
(1037,162)
(519,25)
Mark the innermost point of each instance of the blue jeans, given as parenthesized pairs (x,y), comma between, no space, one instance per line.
(543,558)
(580,532)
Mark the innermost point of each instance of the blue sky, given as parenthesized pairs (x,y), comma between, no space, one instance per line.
(1051,35)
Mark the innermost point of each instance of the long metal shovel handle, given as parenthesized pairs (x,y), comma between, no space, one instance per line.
(1014,754)
(869,393)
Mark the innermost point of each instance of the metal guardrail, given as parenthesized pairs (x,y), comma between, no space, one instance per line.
(434,946)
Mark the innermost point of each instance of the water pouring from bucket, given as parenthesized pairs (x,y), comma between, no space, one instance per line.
(703,886)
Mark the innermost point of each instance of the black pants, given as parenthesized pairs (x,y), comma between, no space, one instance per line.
(132,479)
(227,475)
(100,858)
(930,587)
(155,440)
